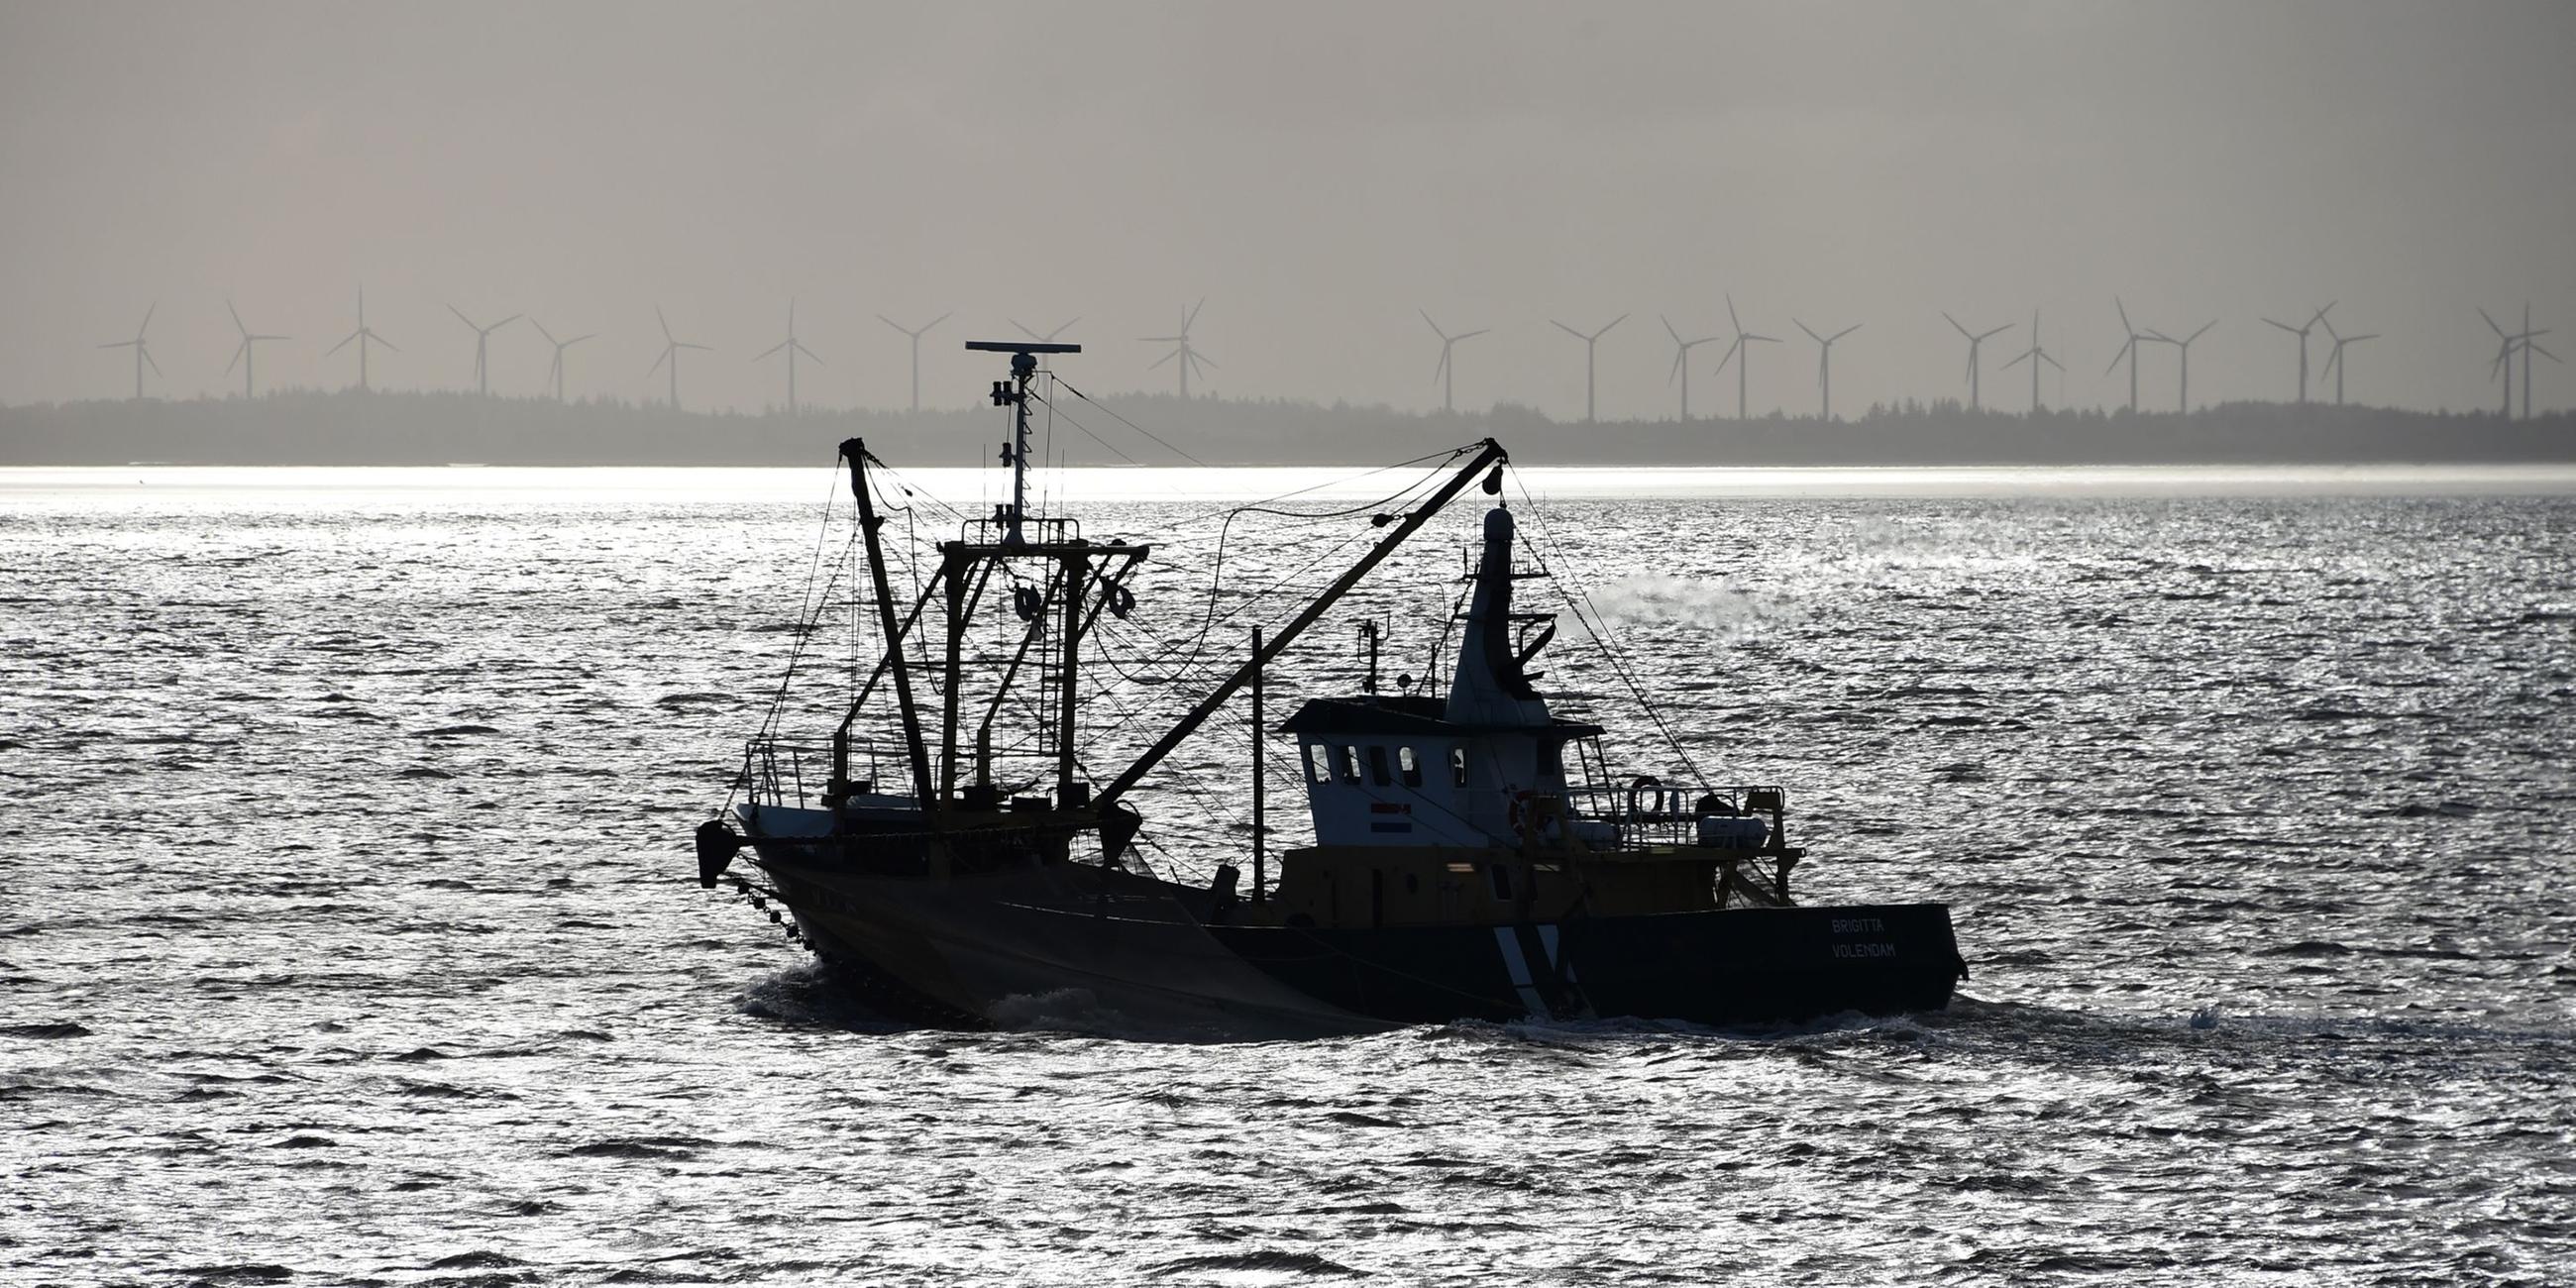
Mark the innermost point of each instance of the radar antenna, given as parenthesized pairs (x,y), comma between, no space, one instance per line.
(1014,394)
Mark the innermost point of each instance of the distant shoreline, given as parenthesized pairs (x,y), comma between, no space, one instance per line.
(440,429)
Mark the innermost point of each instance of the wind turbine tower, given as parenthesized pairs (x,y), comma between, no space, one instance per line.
(143,351)
(1189,357)
(791,346)
(915,333)
(671,346)
(1825,363)
(2335,365)
(482,346)
(555,373)
(1741,354)
(243,356)
(1591,347)
(2184,344)
(2128,350)
(364,337)
(2036,355)
(1681,362)
(2301,331)
(1976,341)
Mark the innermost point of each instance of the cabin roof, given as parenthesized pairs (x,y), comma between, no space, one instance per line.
(1411,714)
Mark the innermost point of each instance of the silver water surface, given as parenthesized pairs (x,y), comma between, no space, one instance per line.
(349,935)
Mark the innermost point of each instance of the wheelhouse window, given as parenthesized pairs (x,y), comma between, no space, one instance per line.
(1351,765)
(1319,762)
(1408,766)
(1458,766)
(1377,766)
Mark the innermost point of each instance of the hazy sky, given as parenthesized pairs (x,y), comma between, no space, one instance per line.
(1317,171)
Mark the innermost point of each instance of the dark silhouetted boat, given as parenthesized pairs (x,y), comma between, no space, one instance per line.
(1474,857)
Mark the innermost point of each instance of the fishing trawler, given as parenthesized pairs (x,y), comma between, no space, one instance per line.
(1474,856)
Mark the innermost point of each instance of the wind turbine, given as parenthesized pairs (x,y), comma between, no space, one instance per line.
(1825,362)
(1591,347)
(2335,365)
(2302,332)
(1048,338)
(671,347)
(243,356)
(792,346)
(1741,354)
(1976,341)
(482,345)
(143,352)
(2035,355)
(916,335)
(555,373)
(1189,357)
(2184,344)
(1445,372)
(1681,361)
(364,337)
(2128,350)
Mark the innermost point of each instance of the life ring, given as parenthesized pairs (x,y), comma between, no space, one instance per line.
(1026,601)
(1637,795)
(1516,809)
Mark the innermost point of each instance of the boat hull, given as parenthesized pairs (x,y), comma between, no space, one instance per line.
(1069,946)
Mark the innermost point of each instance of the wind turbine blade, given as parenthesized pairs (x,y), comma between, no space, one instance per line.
(1158,339)
(2331,360)
(503,322)
(771,349)
(1766,339)
(1192,319)
(800,348)
(2294,330)
(2491,323)
(1954,325)
(2356,339)
(156,307)
(155,364)
(460,316)
(1856,326)
(1668,328)
(2204,330)
(237,353)
(657,362)
(341,345)
(2160,337)
(1441,366)
(1567,329)
(237,322)
(383,341)
(666,325)
(892,323)
(1435,327)
(2052,362)
(1062,329)
(1165,358)
(2123,352)
(1606,330)
(1201,358)
(2014,363)
(1996,332)
(1024,330)
(541,330)
(702,348)
(2527,347)
(1731,319)
(2321,313)
(1681,354)
(1470,335)
(1731,351)
(2124,315)
(1811,331)
(937,320)
(117,344)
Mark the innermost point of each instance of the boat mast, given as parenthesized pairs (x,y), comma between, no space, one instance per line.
(1492,454)
(855,451)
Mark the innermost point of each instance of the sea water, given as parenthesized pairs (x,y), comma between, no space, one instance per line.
(350,932)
